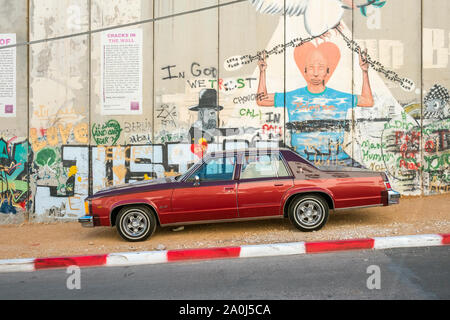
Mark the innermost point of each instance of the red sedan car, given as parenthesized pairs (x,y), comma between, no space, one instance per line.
(238,185)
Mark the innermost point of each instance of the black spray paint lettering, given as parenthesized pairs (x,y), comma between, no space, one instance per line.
(247,98)
(170,75)
(273,117)
(222,84)
(167,114)
(197,70)
(140,138)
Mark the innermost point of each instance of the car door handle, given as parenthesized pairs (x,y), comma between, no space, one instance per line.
(279,184)
(228,188)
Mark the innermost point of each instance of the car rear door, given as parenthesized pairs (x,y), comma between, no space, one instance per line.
(212,198)
(263,180)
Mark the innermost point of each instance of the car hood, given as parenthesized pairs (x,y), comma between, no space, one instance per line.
(135,187)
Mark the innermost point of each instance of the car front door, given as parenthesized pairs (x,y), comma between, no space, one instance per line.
(263,180)
(211,197)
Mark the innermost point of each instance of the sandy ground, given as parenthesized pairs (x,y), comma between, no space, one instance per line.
(414,215)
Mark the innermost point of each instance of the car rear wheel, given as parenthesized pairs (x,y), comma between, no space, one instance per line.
(308,212)
(135,223)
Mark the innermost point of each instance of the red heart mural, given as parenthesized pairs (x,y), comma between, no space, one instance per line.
(328,49)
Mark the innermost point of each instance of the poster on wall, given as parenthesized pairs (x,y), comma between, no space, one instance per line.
(121,72)
(7,76)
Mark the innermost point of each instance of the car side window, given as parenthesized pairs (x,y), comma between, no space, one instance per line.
(280,166)
(217,169)
(263,166)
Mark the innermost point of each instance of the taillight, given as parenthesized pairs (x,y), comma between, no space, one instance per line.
(386,181)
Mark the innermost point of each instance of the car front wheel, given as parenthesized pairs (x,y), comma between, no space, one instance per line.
(135,223)
(308,212)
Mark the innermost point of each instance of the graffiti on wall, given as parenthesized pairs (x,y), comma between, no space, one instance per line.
(64,199)
(14,164)
(106,133)
(197,109)
(58,134)
(112,165)
(436,139)
(412,150)
(317,114)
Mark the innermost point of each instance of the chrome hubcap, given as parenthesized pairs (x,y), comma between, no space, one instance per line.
(134,223)
(309,213)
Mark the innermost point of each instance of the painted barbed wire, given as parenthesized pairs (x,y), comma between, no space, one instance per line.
(405,83)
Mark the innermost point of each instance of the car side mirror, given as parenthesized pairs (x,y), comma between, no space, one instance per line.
(196,180)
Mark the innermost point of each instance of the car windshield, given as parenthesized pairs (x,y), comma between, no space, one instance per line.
(188,171)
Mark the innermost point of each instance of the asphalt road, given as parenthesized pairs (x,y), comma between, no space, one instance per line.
(409,273)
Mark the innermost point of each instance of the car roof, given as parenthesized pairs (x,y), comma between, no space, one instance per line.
(246,150)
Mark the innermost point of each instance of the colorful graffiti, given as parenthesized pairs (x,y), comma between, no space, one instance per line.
(14,172)
(317,102)
(63,198)
(58,134)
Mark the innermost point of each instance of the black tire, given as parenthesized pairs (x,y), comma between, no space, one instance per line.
(314,207)
(144,219)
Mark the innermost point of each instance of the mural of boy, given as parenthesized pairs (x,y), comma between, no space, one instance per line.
(317,113)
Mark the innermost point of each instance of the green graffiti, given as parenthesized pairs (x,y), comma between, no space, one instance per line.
(437,162)
(14,159)
(373,146)
(400,124)
(46,157)
(436,126)
(107,133)
(374,152)
(367,156)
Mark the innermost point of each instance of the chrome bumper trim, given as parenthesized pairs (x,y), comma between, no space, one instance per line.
(393,197)
(86,221)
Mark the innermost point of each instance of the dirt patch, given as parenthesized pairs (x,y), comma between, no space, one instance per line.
(414,215)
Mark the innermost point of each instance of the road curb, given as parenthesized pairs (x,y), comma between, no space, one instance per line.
(245,251)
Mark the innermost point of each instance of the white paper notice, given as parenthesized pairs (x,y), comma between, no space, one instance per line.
(121,72)
(7,76)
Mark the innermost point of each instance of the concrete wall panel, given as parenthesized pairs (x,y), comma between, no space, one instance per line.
(387,135)
(118,140)
(318,97)
(56,18)
(14,146)
(59,110)
(436,97)
(243,35)
(186,64)
(59,126)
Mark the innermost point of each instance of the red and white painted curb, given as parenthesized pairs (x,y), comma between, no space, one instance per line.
(246,251)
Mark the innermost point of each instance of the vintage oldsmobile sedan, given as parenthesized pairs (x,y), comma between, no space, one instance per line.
(238,185)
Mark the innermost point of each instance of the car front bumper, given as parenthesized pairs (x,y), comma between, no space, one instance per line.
(86,221)
(393,197)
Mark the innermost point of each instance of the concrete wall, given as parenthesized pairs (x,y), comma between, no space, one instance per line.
(62,146)
(14,142)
